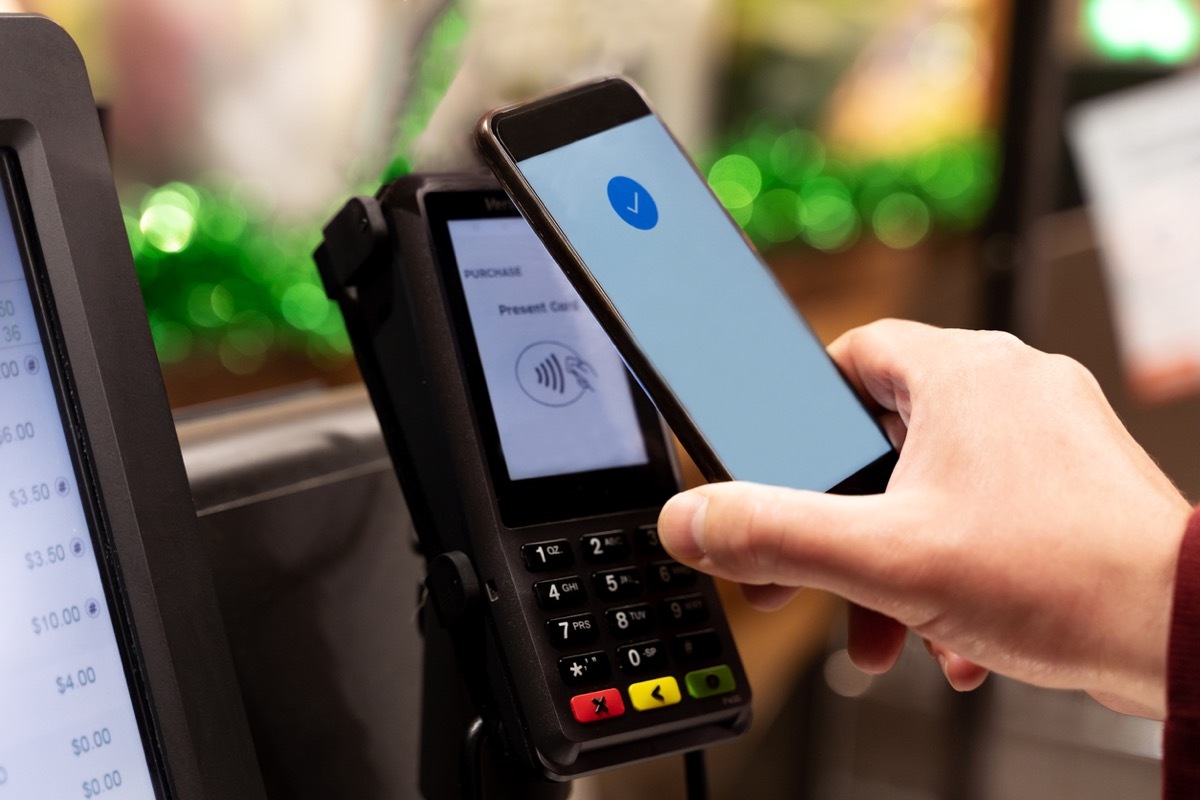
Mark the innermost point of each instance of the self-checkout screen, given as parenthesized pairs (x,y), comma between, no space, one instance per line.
(68,728)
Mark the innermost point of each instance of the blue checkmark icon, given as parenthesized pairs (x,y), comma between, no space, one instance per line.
(632,203)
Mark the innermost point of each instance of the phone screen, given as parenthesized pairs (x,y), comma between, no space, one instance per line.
(704,309)
(68,727)
(559,391)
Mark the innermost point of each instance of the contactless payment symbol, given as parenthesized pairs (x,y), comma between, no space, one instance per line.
(553,374)
(632,203)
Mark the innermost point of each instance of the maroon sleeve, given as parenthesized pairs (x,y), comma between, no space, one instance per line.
(1181,739)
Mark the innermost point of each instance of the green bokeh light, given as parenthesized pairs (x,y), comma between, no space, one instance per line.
(251,333)
(1167,31)
(946,172)
(796,156)
(954,182)
(901,220)
(736,180)
(168,220)
(209,306)
(875,182)
(827,213)
(225,222)
(304,306)
(776,217)
(1172,31)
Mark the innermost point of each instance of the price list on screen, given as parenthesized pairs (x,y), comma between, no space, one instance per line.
(67,722)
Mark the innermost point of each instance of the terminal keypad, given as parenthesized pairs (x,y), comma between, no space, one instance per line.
(635,625)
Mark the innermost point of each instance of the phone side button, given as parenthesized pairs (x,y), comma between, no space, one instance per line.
(597,706)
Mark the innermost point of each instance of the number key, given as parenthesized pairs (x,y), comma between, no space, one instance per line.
(542,556)
(617,584)
(670,575)
(687,609)
(566,632)
(603,548)
(630,621)
(560,593)
(647,539)
(643,657)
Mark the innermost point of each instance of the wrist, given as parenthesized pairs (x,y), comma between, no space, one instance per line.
(1152,623)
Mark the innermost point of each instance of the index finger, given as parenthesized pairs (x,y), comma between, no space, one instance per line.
(878,360)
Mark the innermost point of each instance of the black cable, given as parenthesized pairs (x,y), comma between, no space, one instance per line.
(472,759)
(695,776)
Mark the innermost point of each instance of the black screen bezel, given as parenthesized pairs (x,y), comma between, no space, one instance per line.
(554,498)
(573,115)
(16,200)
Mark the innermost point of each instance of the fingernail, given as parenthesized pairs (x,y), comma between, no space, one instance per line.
(681,525)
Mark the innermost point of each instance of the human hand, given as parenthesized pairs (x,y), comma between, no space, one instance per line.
(1023,531)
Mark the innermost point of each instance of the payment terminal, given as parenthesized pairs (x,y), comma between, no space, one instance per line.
(115,678)
(534,468)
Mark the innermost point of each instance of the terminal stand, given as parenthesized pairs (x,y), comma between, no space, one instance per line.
(462,756)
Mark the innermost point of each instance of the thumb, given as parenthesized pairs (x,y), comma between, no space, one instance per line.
(755,534)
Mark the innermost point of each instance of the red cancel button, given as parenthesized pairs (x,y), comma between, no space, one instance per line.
(597,706)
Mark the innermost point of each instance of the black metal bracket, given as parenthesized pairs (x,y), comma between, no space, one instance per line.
(356,237)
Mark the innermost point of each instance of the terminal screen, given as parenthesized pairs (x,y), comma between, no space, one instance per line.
(68,728)
(560,393)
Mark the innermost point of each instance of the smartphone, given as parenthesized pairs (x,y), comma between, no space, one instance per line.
(698,317)
(522,442)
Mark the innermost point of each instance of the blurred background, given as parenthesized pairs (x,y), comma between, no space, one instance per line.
(889,158)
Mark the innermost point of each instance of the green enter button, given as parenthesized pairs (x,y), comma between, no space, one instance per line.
(708,682)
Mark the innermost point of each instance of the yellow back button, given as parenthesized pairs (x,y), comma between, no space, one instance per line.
(658,693)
